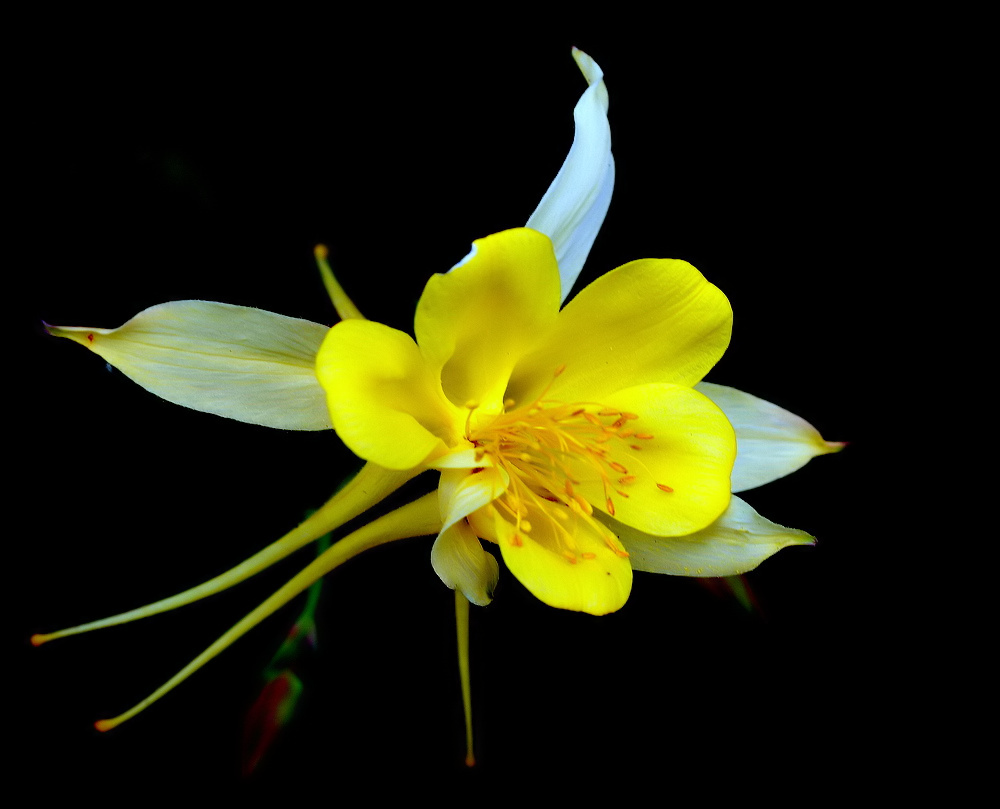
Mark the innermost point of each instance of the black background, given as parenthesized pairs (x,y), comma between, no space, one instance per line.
(164,159)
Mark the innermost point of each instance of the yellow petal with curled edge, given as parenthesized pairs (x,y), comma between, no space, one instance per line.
(675,477)
(566,560)
(233,361)
(736,542)
(463,491)
(652,320)
(385,404)
(772,441)
(461,563)
(475,322)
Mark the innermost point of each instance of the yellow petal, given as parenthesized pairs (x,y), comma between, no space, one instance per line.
(233,361)
(771,441)
(681,472)
(385,403)
(565,561)
(652,320)
(460,561)
(736,542)
(475,322)
(463,491)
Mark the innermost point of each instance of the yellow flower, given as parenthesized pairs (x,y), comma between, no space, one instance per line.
(542,422)
(580,440)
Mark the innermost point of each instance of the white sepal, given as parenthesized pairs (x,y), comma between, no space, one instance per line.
(573,208)
(233,361)
(771,442)
(736,542)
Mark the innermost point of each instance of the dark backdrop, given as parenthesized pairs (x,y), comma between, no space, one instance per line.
(203,160)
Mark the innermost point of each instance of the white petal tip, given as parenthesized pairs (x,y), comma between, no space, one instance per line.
(590,69)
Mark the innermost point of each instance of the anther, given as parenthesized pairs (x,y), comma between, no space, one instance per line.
(618,467)
(663,487)
(611,506)
(588,555)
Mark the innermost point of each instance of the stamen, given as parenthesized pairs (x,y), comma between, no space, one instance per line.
(471,407)
(547,448)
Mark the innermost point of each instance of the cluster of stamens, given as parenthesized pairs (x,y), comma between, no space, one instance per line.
(547,447)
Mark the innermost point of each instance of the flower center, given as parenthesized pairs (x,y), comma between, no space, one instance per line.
(548,448)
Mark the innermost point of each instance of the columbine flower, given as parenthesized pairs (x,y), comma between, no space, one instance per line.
(579,442)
